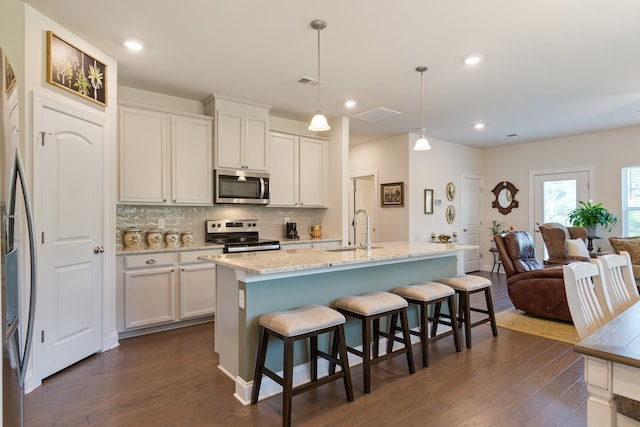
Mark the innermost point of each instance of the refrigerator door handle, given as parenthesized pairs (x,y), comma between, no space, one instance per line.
(24,360)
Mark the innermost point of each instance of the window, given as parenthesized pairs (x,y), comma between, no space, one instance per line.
(631,201)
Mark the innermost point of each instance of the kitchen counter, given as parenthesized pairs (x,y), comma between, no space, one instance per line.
(195,246)
(284,261)
(252,284)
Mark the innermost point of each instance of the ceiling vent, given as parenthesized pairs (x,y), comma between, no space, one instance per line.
(308,81)
(376,114)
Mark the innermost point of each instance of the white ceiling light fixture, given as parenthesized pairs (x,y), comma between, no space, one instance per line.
(472,59)
(133,45)
(350,103)
(319,121)
(479,126)
(421,144)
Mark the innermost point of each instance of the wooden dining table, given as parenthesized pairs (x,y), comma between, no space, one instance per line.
(612,370)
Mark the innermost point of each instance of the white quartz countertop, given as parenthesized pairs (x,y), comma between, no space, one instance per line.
(194,246)
(289,260)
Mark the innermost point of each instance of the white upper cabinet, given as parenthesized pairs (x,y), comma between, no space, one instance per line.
(241,133)
(298,171)
(164,158)
(191,155)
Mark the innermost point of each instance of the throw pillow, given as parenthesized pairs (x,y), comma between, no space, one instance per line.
(576,247)
(629,244)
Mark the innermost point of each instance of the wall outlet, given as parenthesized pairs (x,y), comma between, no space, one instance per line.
(160,223)
(241,298)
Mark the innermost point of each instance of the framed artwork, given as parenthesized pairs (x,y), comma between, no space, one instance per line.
(72,69)
(428,201)
(451,214)
(451,191)
(392,194)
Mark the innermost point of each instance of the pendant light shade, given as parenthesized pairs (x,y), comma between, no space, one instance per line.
(319,121)
(421,144)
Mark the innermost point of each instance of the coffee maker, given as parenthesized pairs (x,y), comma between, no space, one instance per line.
(291,230)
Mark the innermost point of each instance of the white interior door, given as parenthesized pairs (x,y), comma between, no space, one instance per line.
(69,206)
(555,195)
(471,222)
(364,197)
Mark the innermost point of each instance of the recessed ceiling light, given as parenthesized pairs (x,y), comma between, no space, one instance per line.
(133,45)
(350,103)
(472,59)
(479,126)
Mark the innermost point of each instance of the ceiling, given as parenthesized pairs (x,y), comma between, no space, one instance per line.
(551,68)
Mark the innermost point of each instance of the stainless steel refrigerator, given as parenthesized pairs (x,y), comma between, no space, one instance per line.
(17,258)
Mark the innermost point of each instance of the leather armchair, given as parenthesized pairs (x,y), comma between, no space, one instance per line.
(532,288)
(555,236)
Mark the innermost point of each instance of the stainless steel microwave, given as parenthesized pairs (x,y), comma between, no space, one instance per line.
(241,186)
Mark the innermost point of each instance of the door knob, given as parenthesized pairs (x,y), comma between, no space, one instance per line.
(98,250)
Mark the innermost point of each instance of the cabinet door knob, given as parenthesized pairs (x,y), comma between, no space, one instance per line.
(98,250)
(151,261)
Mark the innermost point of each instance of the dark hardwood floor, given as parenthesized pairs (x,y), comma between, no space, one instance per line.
(171,379)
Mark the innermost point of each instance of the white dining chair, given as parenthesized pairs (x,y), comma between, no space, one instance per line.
(585,306)
(619,283)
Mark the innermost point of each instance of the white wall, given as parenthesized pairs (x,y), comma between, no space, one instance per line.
(445,162)
(387,156)
(607,152)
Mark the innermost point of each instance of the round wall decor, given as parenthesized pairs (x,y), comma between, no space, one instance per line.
(451,191)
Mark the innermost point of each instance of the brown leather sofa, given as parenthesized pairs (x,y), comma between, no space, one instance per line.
(532,288)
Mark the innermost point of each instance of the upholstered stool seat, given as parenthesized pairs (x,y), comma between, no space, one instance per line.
(465,285)
(431,293)
(296,324)
(369,308)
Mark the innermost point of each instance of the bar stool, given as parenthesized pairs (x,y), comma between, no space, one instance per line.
(293,325)
(423,295)
(465,285)
(369,308)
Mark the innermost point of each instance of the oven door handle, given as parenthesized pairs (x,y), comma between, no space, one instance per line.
(249,248)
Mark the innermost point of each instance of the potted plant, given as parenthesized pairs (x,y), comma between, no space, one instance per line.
(496,227)
(590,216)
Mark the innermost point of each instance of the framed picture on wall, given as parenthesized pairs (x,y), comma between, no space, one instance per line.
(428,201)
(73,70)
(392,194)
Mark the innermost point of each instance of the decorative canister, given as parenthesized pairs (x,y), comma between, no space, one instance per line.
(154,239)
(315,231)
(171,238)
(187,238)
(132,238)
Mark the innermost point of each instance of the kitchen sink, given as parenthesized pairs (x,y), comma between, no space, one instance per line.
(349,249)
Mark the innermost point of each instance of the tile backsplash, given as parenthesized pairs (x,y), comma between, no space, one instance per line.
(192,218)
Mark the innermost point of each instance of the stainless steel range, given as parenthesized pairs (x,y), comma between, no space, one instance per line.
(238,235)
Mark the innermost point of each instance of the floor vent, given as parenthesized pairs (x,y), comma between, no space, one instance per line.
(376,114)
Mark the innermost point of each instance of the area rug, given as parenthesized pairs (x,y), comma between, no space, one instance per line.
(520,321)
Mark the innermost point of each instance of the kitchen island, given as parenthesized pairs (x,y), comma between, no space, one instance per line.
(254,283)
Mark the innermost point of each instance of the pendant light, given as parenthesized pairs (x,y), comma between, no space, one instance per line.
(421,144)
(319,121)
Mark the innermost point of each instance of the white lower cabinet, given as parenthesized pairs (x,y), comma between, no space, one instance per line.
(197,286)
(150,297)
(164,289)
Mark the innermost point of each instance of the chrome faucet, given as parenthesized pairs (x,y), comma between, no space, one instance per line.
(367,242)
